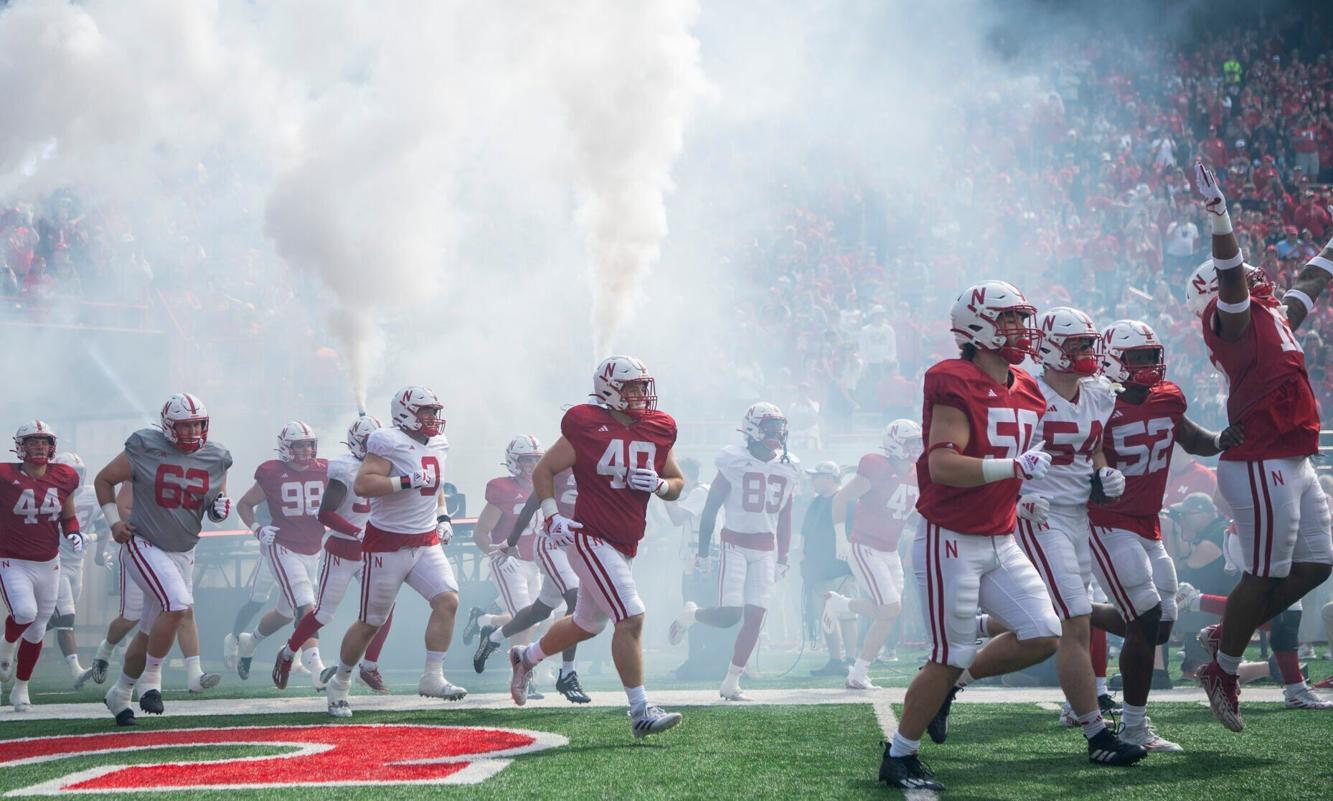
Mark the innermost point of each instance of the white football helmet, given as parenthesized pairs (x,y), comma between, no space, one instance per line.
(902,439)
(1202,286)
(616,374)
(1065,331)
(417,410)
(35,430)
(765,422)
(358,433)
(184,408)
(292,435)
(524,446)
(73,460)
(1124,337)
(975,320)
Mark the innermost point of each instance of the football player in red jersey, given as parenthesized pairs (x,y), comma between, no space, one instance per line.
(979,414)
(1268,481)
(36,511)
(1128,555)
(620,449)
(885,492)
(291,486)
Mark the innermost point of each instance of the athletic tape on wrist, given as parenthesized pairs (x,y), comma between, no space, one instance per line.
(549,507)
(993,470)
(1233,308)
(1302,298)
(1222,224)
(1322,263)
(1229,264)
(111,512)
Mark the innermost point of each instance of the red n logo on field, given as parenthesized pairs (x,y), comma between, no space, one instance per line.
(951,549)
(322,755)
(1278,479)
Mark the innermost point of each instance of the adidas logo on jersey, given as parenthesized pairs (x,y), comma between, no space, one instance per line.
(990,393)
(1051,408)
(602,428)
(1115,414)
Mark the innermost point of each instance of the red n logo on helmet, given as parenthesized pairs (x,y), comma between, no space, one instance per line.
(978,297)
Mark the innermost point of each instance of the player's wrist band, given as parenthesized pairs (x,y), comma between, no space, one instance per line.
(254,527)
(111,513)
(442,518)
(1217,440)
(1233,308)
(1322,263)
(404,483)
(993,470)
(1222,223)
(1300,297)
(1231,263)
(549,507)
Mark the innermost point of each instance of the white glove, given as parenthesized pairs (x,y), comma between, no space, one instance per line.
(560,530)
(1206,183)
(1113,482)
(1033,464)
(266,534)
(780,571)
(842,549)
(418,479)
(1034,508)
(106,559)
(220,509)
(75,540)
(444,529)
(501,562)
(646,479)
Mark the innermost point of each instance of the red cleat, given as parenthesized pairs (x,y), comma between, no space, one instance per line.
(282,668)
(1223,691)
(1210,637)
(373,680)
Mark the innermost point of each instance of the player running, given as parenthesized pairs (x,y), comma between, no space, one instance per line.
(345,514)
(1268,481)
(36,514)
(92,525)
(979,413)
(402,476)
(177,476)
(620,449)
(754,484)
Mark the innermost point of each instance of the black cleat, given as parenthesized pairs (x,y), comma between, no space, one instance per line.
(568,686)
(243,666)
(150,702)
(125,717)
(1107,749)
(939,727)
(471,629)
(484,649)
(906,772)
(1108,705)
(98,671)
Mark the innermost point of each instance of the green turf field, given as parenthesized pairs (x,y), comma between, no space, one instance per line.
(995,752)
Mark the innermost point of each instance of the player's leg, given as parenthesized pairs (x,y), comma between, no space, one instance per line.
(126,621)
(44,580)
(294,588)
(760,577)
(1124,567)
(335,574)
(187,637)
(62,621)
(260,589)
(368,671)
(881,580)
(731,576)
(433,579)
(168,577)
(381,576)
(18,592)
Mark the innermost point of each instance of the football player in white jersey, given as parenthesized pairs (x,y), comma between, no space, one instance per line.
(402,476)
(344,513)
(754,484)
(1053,524)
(92,524)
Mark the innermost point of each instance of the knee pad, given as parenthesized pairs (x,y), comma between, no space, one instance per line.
(61,623)
(1285,632)
(1148,623)
(1164,631)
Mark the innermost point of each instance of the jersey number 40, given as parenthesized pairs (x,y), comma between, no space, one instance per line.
(617,459)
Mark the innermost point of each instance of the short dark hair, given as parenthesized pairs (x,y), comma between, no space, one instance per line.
(967,351)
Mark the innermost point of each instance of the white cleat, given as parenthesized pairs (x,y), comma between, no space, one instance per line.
(230,651)
(203,683)
(682,623)
(518,682)
(437,686)
(1147,739)
(1067,717)
(861,683)
(337,692)
(836,608)
(731,690)
(245,654)
(1306,698)
(18,696)
(653,720)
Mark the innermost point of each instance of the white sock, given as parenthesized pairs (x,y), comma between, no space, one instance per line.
(369,666)
(151,678)
(435,663)
(566,668)
(964,679)
(1092,723)
(256,635)
(533,654)
(734,671)
(1228,663)
(344,671)
(1133,715)
(311,659)
(74,667)
(900,746)
(860,667)
(638,699)
(104,651)
(1292,689)
(125,684)
(193,668)
(497,636)
(1101,685)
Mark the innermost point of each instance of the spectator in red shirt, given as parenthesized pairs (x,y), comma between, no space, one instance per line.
(1187,475)
(1314,216)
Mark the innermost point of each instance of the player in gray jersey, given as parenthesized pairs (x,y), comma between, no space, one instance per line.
(176,477)
(93,526)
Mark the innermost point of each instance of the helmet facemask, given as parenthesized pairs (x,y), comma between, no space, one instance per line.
(1021,337)
(1082,353)
(637,396)
(189,435)
(1145,365)
(36,450)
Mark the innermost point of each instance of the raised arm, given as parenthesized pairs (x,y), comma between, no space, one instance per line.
(1309,285)
(1233,290)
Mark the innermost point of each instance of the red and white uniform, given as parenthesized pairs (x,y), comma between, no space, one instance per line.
(293,497)
(558,575)
(757,533)
(517,578)
(964,555)
(341,560)
(401,544)
(612,514)
(1072,431)
(1129,558)
(877,526)
(30,512)
(1280,510)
